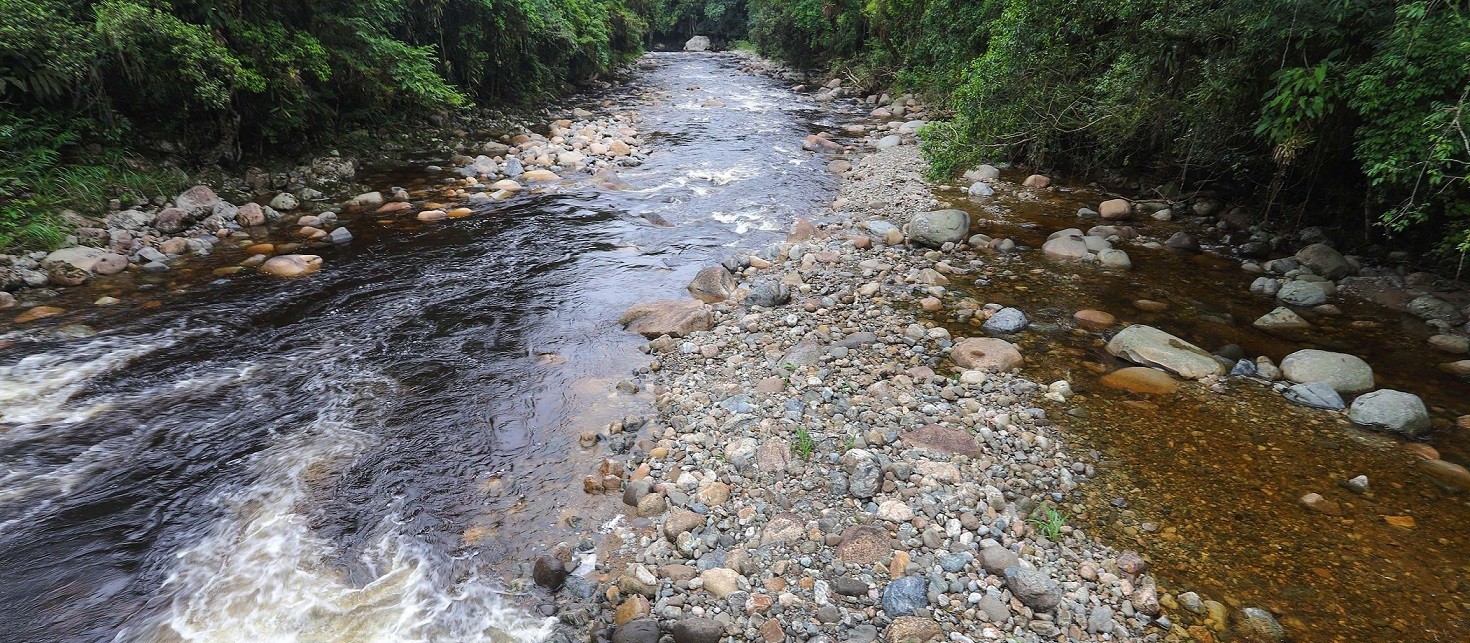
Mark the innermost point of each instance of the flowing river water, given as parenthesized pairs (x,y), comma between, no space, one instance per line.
(356,456)
(369,453)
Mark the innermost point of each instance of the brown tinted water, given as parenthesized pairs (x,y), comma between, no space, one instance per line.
(1205,483)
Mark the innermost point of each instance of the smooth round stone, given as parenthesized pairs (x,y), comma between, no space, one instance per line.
(1139,379)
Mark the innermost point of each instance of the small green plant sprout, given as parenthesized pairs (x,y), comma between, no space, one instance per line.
(804,446)
(1047,521)
(850,443)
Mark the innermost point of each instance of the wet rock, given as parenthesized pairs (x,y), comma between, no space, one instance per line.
(38,312)
(1183,241)
(643,630)
(1139,379)
(712,285)
(1033,588)
(980,189)
(1257,625)
(1356,484)
(698,630)
(548,572)
(1302,293)
(1448,475)
(1006,320)
(1037,181)
(1115,209)
(1390,410)
(1265,286)
(673,318)
(1459,369)
(291,265)
(1431,308)
(250,215)
(1317,395)
(1069,247)
(1282,320)
(1114,258)
(986,354)
(1324,260)
(906,595)
(1344,373)
(938,227)
(1150,346)
(1315,502)
(1094,319)
(1452,344)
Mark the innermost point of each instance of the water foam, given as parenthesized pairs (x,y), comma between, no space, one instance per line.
(262,575)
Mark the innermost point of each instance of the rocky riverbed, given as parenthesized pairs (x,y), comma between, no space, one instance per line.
(825,466)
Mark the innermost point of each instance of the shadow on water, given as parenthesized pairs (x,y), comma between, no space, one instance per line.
(366,453)
(1206,484)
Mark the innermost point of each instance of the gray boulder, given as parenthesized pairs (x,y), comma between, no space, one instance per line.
(1006,320)
(1302,293)
(768,294)
(1324,260)
(697,43)
(1344,373)
(1431,308)
(1282,320)
(1390,410)
(938,227)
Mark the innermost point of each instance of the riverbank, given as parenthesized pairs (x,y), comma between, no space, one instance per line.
(826,464)
(847,445)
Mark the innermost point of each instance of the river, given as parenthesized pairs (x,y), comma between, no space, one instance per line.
(365,454)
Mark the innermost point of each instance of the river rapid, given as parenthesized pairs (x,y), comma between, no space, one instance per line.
(363,455)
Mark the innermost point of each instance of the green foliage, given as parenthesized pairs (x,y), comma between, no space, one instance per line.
(1330,108)
(219,78)
(1047,521)
(804,446)
(46,170)
(723,19)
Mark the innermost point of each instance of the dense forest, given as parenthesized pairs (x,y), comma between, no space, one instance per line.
(1347,112)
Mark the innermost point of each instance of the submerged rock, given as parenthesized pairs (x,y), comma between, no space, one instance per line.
(672,318)
(1150,346)
(291,265)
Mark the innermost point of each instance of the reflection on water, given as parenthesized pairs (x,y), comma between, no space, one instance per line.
(1206,484)
(366,454)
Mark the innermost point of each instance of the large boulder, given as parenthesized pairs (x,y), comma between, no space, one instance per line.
(1150,346)
(986,354)
(80,257)
(1344,373)
(1390,410)
(673,318)
(1324,260)
(712,285)
(697,43)
(936,228)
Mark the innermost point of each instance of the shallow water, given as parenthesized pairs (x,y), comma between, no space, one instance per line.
(1208,482)
(366,454)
